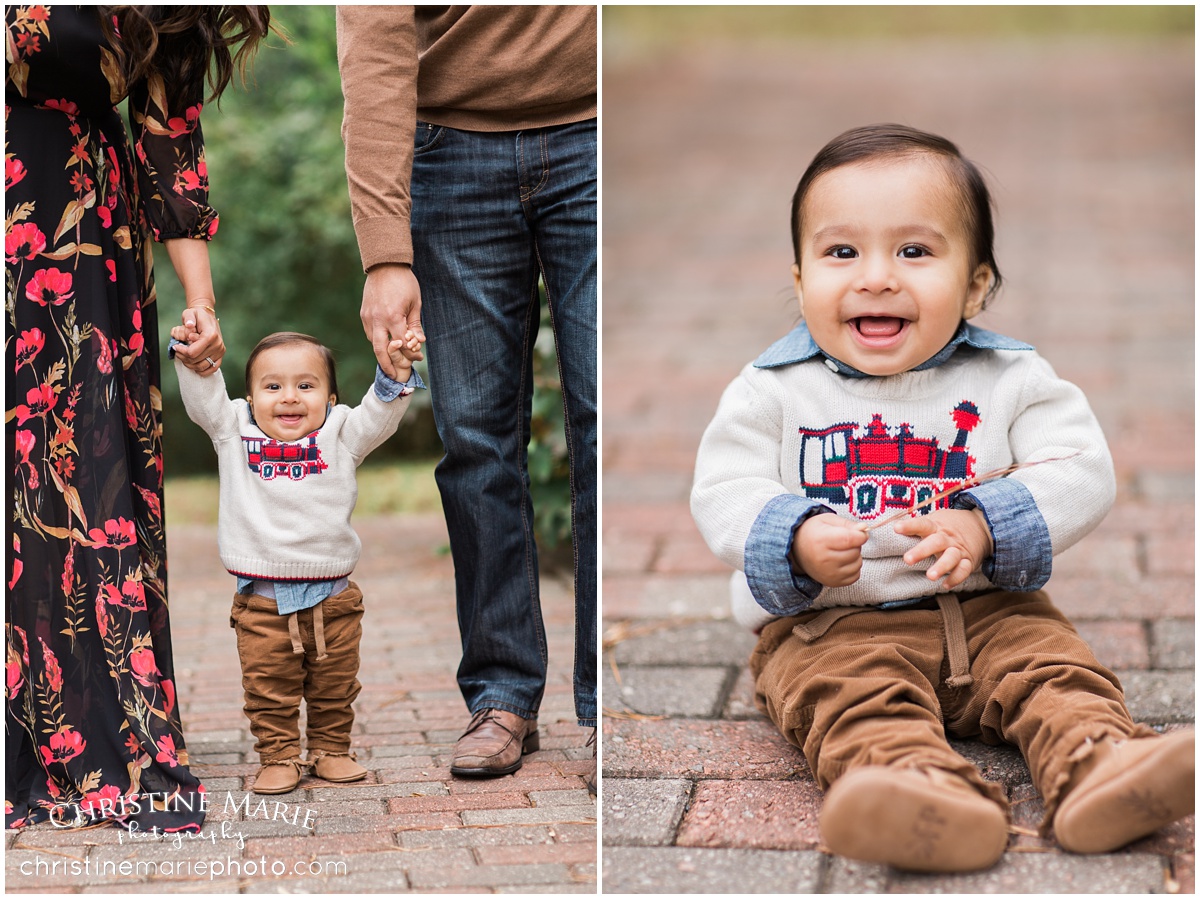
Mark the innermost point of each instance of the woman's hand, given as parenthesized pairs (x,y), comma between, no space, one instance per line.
(202,333)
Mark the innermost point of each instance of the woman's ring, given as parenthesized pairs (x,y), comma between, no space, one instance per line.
(209,360)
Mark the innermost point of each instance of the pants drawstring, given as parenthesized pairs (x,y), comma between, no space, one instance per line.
(816,628)
(952,623)
(956,641)
(319,630)
(294,633)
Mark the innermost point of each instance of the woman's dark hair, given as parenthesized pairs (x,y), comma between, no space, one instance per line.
(185,44)
(287,338)
(875,141)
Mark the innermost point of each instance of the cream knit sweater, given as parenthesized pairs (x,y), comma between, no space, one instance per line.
(786,437)
(290,518)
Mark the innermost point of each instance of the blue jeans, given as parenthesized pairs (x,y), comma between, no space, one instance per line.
(491,212)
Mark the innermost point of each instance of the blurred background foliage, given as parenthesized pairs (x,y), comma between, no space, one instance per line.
(285,258)
(791,22)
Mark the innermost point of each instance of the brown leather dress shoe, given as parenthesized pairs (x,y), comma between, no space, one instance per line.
(281,777)
(493,744)
(590,777)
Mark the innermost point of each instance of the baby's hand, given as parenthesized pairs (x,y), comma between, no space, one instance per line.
(828,549)
(960,538)
(396,352)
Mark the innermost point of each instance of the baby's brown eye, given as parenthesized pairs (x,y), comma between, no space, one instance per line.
(842,252)
(913,252)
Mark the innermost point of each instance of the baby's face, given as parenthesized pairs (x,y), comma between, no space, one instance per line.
(289,391)
(885,271)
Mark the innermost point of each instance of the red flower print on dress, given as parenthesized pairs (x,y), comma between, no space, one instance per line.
(28,43)
(81,182)
(24,241)
(104,360)
(25,442)
(145,669)
(167,755)
(14,677)
(29,344)
(136,341)
(40,400)
(116,532)
(64,745)
(185,180)
(38,13)
(111,265)
(168,688)
(68,575)
(102,615)
(180,126)
(134,592)
(105,219)
(53,669)
(63,105)
(133,599)
(50,287)
(103,802)
(79,152)
(133,744)
(151,500)
(14,171)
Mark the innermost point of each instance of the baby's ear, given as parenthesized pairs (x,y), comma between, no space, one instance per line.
(796,287)
(333,399)
(977,291)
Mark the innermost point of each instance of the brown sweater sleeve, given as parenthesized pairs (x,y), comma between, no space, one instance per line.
(377,58)
(474,68)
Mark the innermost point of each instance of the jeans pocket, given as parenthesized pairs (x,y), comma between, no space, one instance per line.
(427,137)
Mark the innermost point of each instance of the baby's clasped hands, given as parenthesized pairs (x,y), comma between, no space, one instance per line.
(403,351)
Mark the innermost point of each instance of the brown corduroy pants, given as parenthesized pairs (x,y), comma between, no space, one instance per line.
(275,677)
(880,687)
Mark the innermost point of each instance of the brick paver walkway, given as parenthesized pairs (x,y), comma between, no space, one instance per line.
(409,827)
(1089,146)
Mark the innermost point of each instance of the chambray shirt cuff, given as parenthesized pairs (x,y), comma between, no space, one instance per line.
(1023,555)
(775,586)
(387,389)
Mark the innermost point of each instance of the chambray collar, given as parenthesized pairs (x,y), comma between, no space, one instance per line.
(798,346)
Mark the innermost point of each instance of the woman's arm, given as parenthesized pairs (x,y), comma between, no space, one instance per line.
(205,348)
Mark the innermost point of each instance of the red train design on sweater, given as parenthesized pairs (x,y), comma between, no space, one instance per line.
(882,471)
(272,458)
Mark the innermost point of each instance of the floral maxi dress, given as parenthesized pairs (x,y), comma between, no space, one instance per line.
(92,729)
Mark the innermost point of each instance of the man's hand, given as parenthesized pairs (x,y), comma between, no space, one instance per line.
(960,538)
(391,309)
(828,549)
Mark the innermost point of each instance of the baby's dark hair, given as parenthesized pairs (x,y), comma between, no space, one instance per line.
(875,141)
(285,338)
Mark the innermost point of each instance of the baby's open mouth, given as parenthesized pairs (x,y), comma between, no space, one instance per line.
(878,326)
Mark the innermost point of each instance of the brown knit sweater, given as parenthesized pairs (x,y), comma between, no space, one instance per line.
(476,68)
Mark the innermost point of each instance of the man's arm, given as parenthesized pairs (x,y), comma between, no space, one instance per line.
(377,58)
